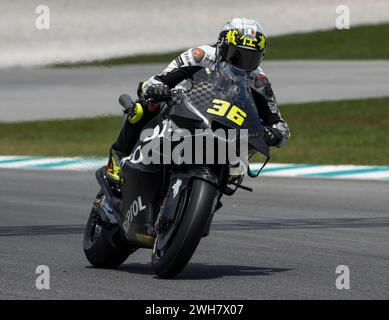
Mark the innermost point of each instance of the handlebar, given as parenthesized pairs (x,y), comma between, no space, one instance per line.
(126,102)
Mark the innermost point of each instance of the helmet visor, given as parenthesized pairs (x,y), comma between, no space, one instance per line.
(242,58)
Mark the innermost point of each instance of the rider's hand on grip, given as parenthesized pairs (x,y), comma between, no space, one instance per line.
(273,136)
(157,92)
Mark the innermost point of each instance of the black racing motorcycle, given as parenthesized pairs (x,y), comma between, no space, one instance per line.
(169,207)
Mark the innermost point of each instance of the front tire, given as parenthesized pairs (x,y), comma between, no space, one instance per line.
(104,245)
(196,208)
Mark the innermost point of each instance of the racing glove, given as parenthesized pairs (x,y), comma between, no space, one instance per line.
(273,136)
(157,92)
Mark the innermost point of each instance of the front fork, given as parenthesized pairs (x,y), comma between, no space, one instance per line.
(179,183)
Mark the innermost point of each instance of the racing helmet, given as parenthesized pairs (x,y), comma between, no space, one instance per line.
(242,43)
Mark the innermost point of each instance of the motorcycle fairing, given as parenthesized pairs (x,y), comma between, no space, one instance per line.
(223,83)
(228,84)
(141,202)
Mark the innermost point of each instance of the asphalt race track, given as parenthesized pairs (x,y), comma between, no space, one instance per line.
(31,94)
(283,241)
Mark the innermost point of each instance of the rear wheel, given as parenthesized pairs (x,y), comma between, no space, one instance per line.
(175,246)
(104,244)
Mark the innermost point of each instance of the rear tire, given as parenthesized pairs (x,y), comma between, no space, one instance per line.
(170,261)
(104,245)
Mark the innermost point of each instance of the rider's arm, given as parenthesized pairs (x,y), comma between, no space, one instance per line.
(183,67)
(267,106)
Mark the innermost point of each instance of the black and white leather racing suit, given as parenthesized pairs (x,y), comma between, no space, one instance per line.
(178,74)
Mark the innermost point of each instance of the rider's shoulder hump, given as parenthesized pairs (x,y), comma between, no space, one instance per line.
(259,78)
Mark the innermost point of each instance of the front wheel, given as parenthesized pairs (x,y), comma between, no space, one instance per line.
(184,235)
(104,245)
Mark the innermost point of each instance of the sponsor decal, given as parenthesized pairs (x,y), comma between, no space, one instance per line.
(135,157)
(176,187)
(261,81)
(185,58)
(179,61)
(198,54)
(135,208)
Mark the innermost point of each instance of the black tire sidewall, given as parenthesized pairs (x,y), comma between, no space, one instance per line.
(101,253)
(189,230)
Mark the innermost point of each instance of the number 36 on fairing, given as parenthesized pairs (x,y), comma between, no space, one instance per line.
(220,108)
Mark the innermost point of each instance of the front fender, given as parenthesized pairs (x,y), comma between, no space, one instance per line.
(180,180)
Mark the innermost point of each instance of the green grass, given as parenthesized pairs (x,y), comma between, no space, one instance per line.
(361,42)
(340,132)
(84,137)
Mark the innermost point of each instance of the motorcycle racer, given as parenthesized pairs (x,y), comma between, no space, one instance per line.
(242,44)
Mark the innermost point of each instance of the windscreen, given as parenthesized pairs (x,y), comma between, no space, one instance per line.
(222,95)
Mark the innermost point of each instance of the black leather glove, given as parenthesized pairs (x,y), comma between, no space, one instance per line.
(157,92)
(273,136)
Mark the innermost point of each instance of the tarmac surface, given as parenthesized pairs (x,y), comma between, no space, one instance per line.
(32,94)
(283,241)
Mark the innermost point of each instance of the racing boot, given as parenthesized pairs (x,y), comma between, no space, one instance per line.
(113,168)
